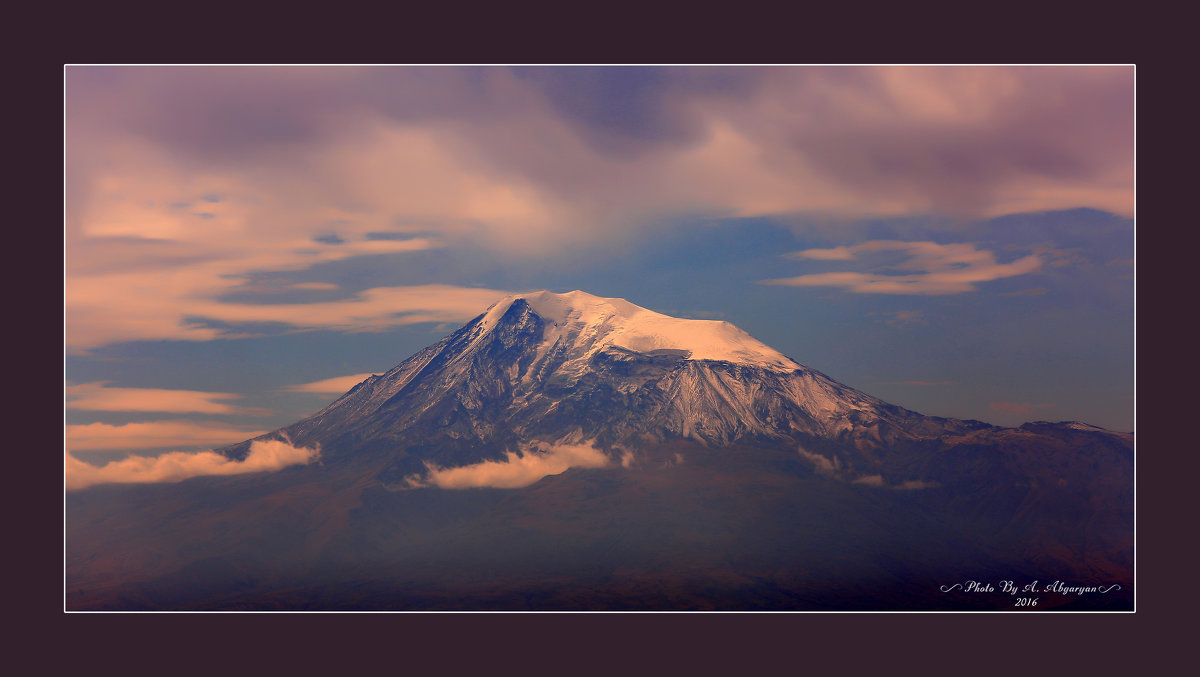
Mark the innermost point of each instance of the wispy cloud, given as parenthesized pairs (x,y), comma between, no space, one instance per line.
(835,254)
(268,455)
(154,435)
(516,471)
(1018,408)
(99,396)
(870,480)
(337,384)
(904,318)
(908,485)
(917,485)
(149,311)
(928,268)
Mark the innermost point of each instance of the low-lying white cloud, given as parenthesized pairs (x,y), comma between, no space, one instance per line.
(870,480)
(821,465)
(265,455)
(336,385)
(929,268)
(907,485)
(516,471)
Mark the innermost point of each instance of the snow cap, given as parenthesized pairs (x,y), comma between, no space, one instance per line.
(594,323)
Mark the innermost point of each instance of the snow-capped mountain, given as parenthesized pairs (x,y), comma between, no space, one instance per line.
(674,464)
(575,368)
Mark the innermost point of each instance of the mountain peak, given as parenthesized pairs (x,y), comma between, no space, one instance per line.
(592,324)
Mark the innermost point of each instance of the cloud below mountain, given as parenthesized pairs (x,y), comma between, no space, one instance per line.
(265,455)
(516,471)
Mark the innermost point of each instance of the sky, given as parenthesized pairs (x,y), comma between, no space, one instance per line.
(244,244)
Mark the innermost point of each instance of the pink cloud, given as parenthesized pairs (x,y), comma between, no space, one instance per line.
(264,456)
(518,471)
(172,204)
(99,396)
(153,435)
(835,254)
(1018,408)
(153,306)
(935,269)
(335,385)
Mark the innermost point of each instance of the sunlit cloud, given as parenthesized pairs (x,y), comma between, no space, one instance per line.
(929,268)
(264,456)
(139,265)
(821,464)
(155,312)
(372,309)
(516,471)
(180,186)
(99,396)
(869,480)
(904,318)
(835,254)
(154,435)
(335,385)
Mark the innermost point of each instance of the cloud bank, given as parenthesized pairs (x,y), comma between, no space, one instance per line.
(269,455)
(516,471)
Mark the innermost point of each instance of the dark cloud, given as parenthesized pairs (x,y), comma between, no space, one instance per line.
(628,110)
(953,136)
(210,112)
(929,139)
(221,113)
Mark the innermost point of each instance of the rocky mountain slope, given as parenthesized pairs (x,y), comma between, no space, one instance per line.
(553,369)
